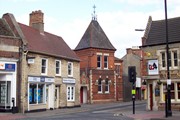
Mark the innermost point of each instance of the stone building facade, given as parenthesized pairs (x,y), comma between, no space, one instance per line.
(155,74)
(49,77)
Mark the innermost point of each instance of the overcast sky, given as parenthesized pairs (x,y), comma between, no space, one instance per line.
(70,18)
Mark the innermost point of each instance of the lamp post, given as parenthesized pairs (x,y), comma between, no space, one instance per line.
(168,99)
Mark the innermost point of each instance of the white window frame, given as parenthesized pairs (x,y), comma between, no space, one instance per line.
(44,93)
(70,93)
(46,66)
(58,67)
(99,67)
(100,85)
(107,85)
(172,59)
(71,69)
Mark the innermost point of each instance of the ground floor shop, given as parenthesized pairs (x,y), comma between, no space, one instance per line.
(157,89)
(8,85)
(41,93)
(44,93)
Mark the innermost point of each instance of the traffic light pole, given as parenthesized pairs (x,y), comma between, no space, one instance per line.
(133,96)
(132,79)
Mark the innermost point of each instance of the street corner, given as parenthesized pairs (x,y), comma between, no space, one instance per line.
(147,116)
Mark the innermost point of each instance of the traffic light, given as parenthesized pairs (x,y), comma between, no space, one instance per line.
(132,74)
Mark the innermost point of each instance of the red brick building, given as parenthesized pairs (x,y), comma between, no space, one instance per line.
(101,72)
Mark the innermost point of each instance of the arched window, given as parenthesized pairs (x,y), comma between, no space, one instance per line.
(99,85)
(107,85)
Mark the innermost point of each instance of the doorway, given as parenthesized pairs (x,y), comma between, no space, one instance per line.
(5,94)
(56,97)
(83,94)
(151,96)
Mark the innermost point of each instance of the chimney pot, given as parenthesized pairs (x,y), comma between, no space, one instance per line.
(36,20)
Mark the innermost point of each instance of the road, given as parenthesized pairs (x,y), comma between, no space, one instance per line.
(113,111)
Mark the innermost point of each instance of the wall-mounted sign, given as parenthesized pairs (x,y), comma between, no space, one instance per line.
(30,61)
(7,66)
(40,79)
(68,80)
(153,67)
(2,66)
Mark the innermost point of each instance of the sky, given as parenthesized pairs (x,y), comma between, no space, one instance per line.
(70,18)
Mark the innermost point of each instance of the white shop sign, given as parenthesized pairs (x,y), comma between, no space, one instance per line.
(153,67)
(68,80)
(40,79)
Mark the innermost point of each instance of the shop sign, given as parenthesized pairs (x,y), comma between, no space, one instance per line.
(7,66)
(68,80)
(40,79)
(153,67)
(2,66)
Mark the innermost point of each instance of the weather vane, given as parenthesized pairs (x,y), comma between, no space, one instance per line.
(94,16)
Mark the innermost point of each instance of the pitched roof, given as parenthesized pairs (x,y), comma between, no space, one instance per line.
(47,43)
(157,32)
(5,29)
(94,37)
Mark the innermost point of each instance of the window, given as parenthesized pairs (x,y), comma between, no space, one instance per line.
(58,67)
(99,86)
(105,62)
(70,69)
(169,59)
(106,86)
(163,59)
(172,91)
(178,88)
(117,69)
(70,93)
(36,93)
(98,61)
(175,58)
(44,66)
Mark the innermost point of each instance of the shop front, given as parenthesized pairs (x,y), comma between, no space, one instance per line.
(8,81)
(69,84)
(152,86)
(41,93)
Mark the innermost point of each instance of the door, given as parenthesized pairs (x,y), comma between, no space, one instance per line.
(84,94)
(47,99)
(151,96)
(5,94)
(81,94)
(56,97)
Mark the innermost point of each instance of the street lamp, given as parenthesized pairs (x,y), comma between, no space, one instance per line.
(168,99)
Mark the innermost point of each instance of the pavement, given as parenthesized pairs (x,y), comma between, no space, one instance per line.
(139,114)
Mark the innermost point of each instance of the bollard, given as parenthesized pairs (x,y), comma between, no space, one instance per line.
(13,108)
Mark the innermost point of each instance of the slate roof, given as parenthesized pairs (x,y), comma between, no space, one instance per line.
(5,29)
(157,32)
(94,37)
(47,43)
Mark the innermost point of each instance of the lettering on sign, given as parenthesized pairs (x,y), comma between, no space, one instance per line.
(153,67)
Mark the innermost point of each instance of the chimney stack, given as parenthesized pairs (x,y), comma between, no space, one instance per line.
(36,20)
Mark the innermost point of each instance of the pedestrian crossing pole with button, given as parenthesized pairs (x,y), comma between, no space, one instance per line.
(132,79)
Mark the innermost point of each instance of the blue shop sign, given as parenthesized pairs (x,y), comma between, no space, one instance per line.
(10,67)
(42,79)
